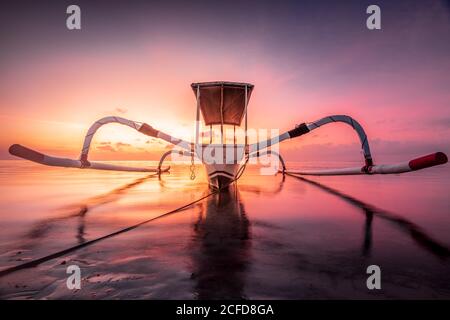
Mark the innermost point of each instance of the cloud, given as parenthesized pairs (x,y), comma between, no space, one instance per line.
(152,140)
(121,144)
(106,148)
(121,110)
(441,122)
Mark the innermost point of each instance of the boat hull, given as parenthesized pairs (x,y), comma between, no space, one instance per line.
(220,176)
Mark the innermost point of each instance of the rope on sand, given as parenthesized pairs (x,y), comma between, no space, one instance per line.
(38,261)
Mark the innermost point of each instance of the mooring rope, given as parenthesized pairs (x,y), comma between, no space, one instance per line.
(38,261)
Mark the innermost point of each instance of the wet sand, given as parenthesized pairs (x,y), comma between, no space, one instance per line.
(269,238)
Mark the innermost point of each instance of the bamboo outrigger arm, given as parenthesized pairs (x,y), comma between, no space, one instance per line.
(83,162)
(173,151)
(368,168)
(302,129)
(139,126)
(270,152)
(32,155)
(305,128)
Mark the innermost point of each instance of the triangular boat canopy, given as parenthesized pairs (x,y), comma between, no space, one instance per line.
(222,102)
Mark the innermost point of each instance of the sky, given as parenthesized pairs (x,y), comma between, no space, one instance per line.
(307,59)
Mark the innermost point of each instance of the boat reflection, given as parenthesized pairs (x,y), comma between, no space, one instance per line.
(367,243)
(221,247)
(41,229)
(416,233)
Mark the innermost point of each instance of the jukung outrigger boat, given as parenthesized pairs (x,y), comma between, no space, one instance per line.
(225,104)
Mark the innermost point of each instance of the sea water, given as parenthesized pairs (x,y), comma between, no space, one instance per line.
(270,237)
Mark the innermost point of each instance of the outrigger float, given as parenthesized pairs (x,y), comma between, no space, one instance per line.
(225,103)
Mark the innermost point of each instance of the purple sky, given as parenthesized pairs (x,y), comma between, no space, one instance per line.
(307,59)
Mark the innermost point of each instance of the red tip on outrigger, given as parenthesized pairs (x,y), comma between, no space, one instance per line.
(427,161)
